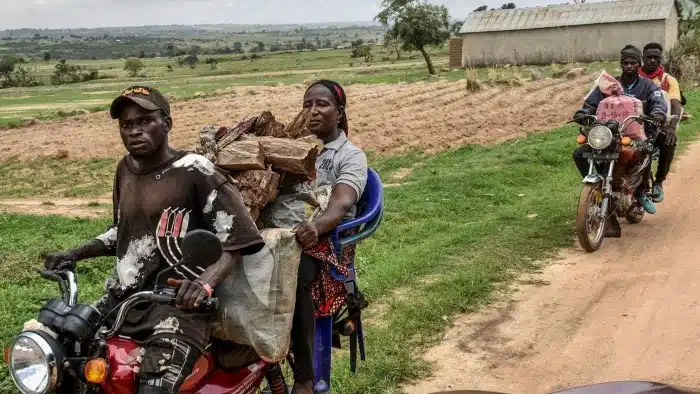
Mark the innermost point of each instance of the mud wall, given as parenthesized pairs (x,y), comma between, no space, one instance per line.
(565,44)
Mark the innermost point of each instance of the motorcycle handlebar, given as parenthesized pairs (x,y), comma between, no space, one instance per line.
(66,281)
(167,297)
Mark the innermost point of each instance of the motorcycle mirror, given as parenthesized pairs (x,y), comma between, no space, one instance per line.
(201,246)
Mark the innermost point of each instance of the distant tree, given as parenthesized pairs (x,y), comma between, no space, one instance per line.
(190,60)
(318,42)
(360,49)
(261,46)
(142,55)
(72,73)
(482,8)
(171,50)
(133,66)
(47,56)
(508,6)
(237,47)
(212,62)
(327,44)
(456,27)
(417,25)
(7,65)
(170,68)
(194,50)
(392,43)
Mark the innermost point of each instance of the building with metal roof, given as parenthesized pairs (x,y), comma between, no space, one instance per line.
(566,33)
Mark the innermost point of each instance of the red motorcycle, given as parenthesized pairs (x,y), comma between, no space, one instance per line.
(69,350)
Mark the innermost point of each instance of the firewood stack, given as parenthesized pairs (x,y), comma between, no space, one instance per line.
(261,154)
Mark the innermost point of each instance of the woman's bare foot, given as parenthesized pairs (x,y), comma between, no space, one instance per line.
(303,387)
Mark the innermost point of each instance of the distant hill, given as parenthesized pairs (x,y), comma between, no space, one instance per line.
(181,30)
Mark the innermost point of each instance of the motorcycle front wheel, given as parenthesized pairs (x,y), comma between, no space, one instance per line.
(590,228)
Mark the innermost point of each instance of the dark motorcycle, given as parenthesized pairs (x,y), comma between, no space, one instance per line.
(618,168)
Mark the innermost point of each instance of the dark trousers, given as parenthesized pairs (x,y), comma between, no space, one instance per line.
(581,162)
(666,153)
(304,322)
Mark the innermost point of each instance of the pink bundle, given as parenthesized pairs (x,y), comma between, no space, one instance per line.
(618,106)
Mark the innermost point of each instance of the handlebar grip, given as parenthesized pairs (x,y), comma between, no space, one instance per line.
(49,275)
(160,298)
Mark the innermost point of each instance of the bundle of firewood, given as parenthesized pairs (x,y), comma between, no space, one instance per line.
(262,155)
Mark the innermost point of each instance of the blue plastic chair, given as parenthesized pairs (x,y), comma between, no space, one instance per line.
(370,210)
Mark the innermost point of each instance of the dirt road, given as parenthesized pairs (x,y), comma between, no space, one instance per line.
(630,311)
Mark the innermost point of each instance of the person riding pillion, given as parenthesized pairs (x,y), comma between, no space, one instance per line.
(653,69)
(159,195)
(341,166)
(654,105)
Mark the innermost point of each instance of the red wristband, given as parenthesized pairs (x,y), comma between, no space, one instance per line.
(206,286)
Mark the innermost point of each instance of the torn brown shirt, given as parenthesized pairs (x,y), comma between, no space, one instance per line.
(152,214)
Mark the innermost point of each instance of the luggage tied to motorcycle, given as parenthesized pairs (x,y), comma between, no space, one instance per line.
(619,106)
(256,301)
(272,166)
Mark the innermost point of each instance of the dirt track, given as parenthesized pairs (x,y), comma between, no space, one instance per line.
(630,311)
(383,118)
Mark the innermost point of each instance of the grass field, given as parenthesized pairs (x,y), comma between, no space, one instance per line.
(462,224)
(45,102)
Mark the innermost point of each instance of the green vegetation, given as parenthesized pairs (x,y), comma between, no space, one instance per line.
(481,214)
(49,177)
(416,25)
(171,41)
(44,102)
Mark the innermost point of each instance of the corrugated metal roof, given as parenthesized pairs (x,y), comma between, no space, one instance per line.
(567,15)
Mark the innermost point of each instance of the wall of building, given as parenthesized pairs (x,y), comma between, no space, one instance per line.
(567,44)
(671,29)
(455,52)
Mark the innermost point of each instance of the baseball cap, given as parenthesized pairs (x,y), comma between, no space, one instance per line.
(145,97)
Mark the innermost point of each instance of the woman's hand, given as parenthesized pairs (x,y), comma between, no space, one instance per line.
(307,234)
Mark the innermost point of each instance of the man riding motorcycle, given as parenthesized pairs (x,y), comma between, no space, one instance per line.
(159,195)
(654,106)
(654,70)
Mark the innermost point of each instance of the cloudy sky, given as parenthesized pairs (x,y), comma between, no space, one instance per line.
(98,13)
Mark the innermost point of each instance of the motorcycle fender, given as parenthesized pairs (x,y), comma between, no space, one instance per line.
(593,178)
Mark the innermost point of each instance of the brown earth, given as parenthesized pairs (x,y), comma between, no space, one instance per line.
(71,207)
(628,311)
(386,118)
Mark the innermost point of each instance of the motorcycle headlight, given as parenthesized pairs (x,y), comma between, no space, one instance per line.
(33,362)
(600,137)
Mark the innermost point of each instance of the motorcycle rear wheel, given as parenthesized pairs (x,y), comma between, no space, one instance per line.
(589,228)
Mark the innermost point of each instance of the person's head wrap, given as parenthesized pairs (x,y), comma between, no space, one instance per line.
(631,51)
(340,100)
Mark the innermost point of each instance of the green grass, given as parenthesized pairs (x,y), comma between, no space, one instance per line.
(56,178)
(454,232)
(46,102)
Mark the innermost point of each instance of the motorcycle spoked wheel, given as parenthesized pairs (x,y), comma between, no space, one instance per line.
(590,229)
(635,214)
